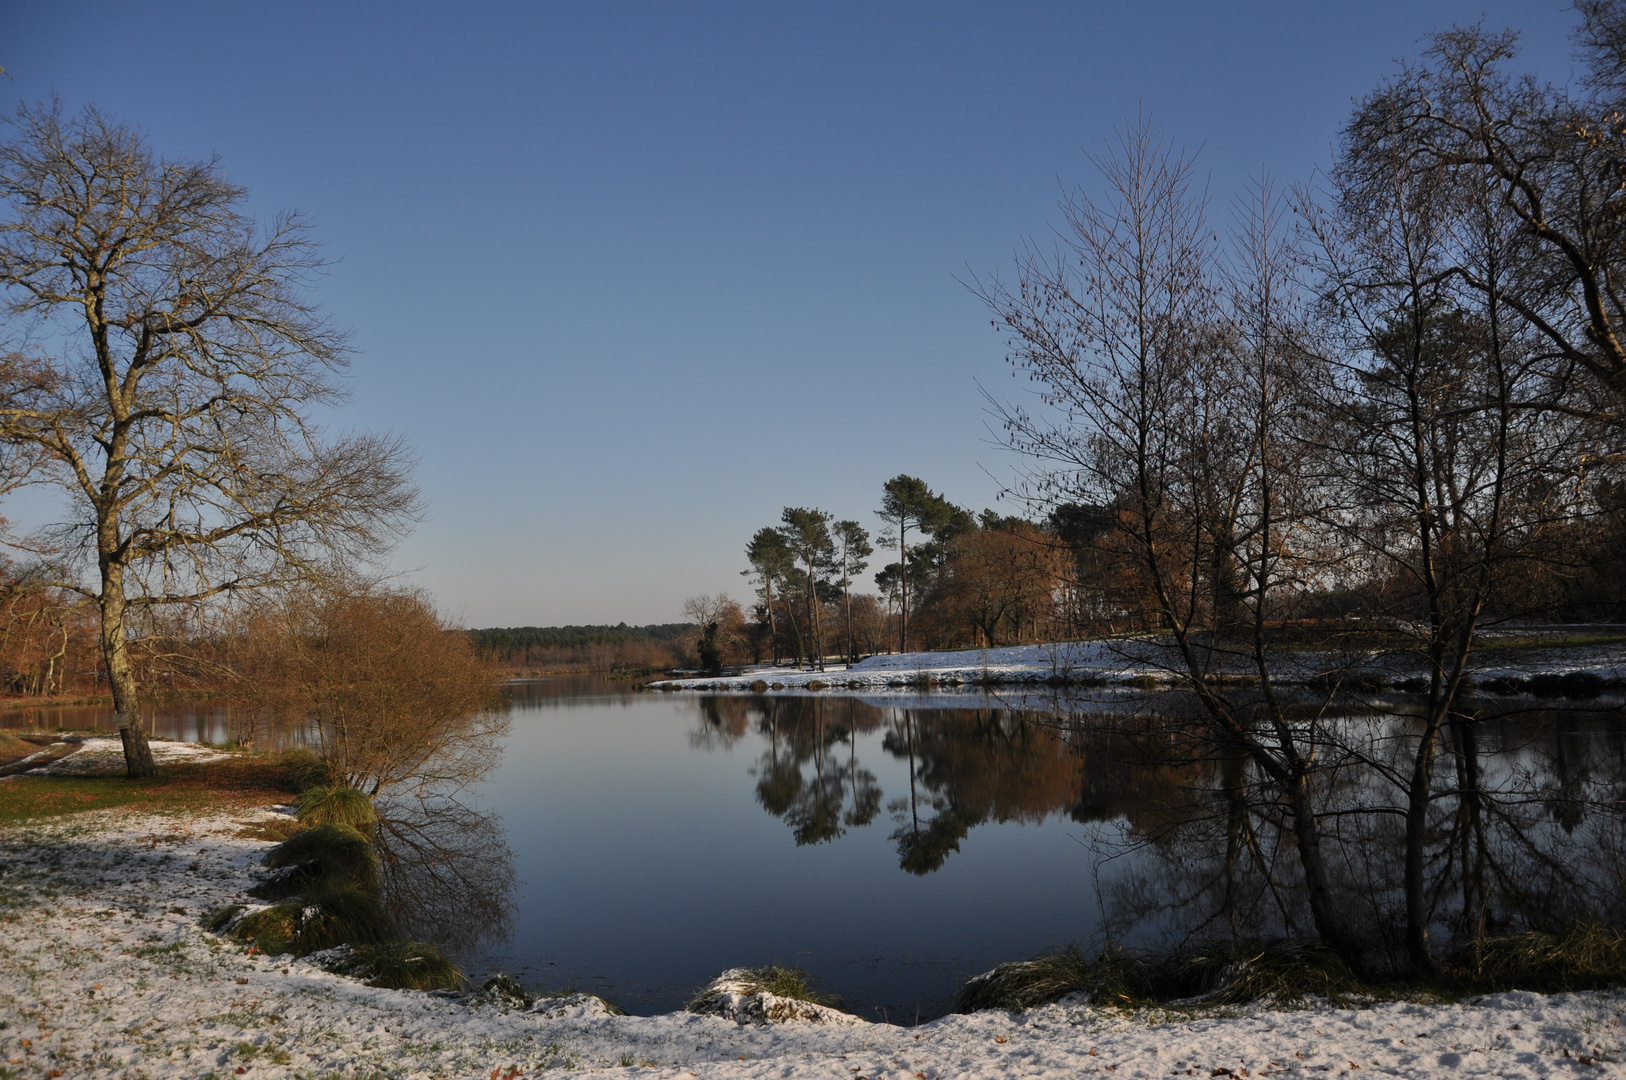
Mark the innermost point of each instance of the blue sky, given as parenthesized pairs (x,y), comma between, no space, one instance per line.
(632,277)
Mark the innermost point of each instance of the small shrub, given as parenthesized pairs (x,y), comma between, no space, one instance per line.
(1220,975)
(1504,686)
(1576,685)
(1581,685)
(758,686)
(817,685)
(402,965)
(1349,682)
(337,806)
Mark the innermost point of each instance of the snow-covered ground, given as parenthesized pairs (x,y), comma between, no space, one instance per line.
(101,754)
(1128,662)
(105,972)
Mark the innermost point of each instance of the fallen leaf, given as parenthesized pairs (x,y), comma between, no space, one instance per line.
(999,1038)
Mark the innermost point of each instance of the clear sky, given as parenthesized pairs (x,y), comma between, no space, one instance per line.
(633,277)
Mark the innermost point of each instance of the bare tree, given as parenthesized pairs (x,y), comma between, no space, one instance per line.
(166,365)
(1448,442)
(1552,158)
(1170,401)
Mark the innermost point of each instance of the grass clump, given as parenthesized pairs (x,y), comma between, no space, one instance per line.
(220,918)
(503,990)
(1585,956)
(1217,975)
(792,982)
(327,917)
(308,769)
(1051,976)
(1286,970)
(323,805)
(402,965)
(330,853)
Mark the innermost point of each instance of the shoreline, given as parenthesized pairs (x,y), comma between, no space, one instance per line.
(1128,665)
(107,972)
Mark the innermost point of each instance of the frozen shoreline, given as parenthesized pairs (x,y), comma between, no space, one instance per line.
(1132,663)
(106,972)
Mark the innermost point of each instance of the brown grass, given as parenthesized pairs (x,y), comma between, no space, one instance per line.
(239,782)
(14,749)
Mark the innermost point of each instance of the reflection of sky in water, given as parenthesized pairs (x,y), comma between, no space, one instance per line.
(647,865)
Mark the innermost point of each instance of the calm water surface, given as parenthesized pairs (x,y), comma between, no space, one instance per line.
(655,840)
(661,838)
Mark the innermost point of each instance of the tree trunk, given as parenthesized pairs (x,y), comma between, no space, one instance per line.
(847,597)
(903,591)
(1329,926)
(813,618)
(1419,950)
(138,762)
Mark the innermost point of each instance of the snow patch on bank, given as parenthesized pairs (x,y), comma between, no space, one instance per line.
(101,754)
(1134,663)
(105,972)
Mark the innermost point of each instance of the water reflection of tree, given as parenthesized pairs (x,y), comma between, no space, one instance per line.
(1525,832)
(965,767)
(448,874)
(803,733)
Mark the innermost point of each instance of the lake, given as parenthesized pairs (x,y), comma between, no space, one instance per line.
(636,844)
(661,838)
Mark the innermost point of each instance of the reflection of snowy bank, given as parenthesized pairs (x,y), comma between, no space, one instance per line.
(107,972)
(1141,663)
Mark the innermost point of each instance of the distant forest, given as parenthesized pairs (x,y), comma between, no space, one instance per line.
(586,648)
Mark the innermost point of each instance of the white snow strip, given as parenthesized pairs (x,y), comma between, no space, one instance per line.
(100,754)
(1128,662)
(105,972)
